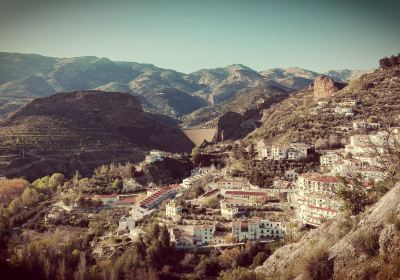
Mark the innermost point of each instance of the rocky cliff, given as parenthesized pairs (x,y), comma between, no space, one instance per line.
(346,247)
(325,86)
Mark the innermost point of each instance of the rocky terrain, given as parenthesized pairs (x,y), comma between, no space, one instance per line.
(81,130)
(249,99)
(298,118)
(324,86)
(346,75)
(24,77)
(346,247)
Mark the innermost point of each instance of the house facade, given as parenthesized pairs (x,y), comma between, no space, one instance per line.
(256,228)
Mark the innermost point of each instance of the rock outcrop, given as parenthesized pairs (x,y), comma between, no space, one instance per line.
(227,125)
(324,86)
(367,249)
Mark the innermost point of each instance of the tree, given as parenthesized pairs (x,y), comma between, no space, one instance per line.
(154,231)
(81,269)
(118,185)
(207,267)
(165,240)
(57,179)
(62,269)
(29,196)
(15,205)
(4,225)
(196,156)
(259,259)
(213,203)
(334,141)
(75,179)
(384,62)
(354,195)
(153,253)
(251,151)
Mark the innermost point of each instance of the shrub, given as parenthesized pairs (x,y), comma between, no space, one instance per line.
(317,265)
(57,179)
(397,223)
(368,242)
(240,273)
(354,195)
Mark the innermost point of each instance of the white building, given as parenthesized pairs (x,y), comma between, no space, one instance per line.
(107,199)
(199,179)
(230,206)
(316,198)
(363,125)
(256,228)
(187,236)
(173,209)
(344,111)
(154,156)
(314,208)
(203,170)
(293,151)
(232,183)
(202,234)
(329,159)
(252,197)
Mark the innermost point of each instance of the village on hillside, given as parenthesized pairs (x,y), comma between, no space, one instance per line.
(216,207)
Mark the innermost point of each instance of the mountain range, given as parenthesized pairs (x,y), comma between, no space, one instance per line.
(24,77)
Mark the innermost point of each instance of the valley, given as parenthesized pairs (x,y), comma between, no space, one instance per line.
(199,135)
(244,187)
(199,140)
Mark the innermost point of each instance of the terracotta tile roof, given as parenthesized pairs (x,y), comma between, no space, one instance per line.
(322,208)
(249,193)
(128,199)
(106,196)
(319,178)
(158,194)
(210,193)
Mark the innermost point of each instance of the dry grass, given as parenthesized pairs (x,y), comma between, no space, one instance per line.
(313,265)
(367,242)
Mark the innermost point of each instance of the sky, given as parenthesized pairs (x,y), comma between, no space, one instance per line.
(187,35)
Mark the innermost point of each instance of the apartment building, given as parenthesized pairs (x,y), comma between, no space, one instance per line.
(256,228)
(173,209)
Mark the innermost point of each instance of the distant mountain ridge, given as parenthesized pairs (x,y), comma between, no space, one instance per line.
(28,76)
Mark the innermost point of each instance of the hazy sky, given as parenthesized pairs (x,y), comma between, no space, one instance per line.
(189,35)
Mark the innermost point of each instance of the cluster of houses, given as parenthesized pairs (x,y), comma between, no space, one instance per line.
(188,236)
(312,194)
(111,200)
(156,155)
(201,176)
(344,107)
(153,200)
(293,151)
(364,156)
